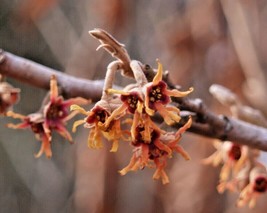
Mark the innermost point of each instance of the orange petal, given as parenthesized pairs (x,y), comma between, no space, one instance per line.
(90,142)
(184,128)
(64,133)
(215,159)
(126,169)
(97,139)
(136,119)
(79,109)
(160,172)
(45,147)
(225,171)
(15,115)
(147,134)
(77,100)
(139,108)
(163,147)
(115,146)
(182,152)
(115,114)
(168,115)
(18,126)
(76,124)
(144,155)
(158,76)
(70,116)
(177,93)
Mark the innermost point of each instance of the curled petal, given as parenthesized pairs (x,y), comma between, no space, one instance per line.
(177,93)
(45,147)
(79,109)
(135,122)
(116,114)
(115,146)
(225,171)
(94,139)
(77,100)
(47,129)
(169,115)
(114,134)
(163,147)
(64,132)
(90,142)
(184,128)
(160,171)
(182,152)
(125,170)
(147,134)
(15,115)
(158,76)
(76,124)
(18,126)
(144,155)
(139,107)
(245,196)
(70,116)
(252,202)
(215,159)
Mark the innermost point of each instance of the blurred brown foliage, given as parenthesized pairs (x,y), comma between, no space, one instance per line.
(199,42)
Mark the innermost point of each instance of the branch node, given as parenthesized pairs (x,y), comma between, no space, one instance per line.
(227,127)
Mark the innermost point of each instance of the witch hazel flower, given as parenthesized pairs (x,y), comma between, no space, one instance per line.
(131,103)
(97,119)
(53,115)
(157,96)
(256,187)
(56,111)
(94,120)
(155,153)
(231,155)
(35,122)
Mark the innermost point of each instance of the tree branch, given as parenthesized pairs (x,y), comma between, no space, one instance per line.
(205,123)
(38,75)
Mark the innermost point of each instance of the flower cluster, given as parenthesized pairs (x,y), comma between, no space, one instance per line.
(241,172)
(137,105)
(53,115)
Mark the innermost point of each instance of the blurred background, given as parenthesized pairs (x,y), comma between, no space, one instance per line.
(199,42)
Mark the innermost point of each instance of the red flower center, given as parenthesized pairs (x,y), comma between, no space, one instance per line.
(156,93)
(55,111)
(37,128)
(131,101)
(235,152)
(260,184)
(99,115)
